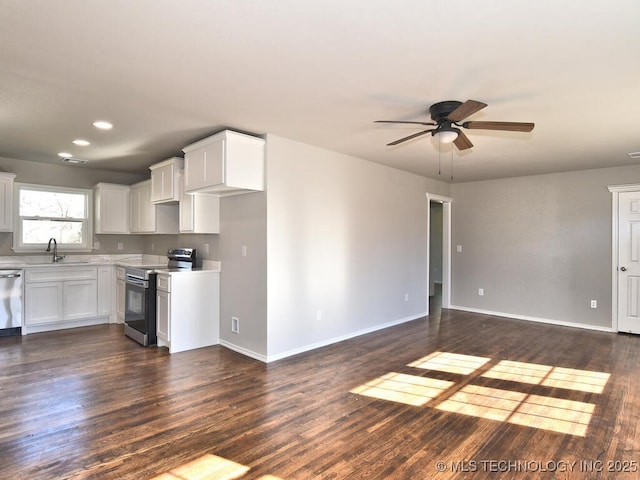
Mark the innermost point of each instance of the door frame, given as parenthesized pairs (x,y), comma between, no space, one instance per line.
(615,225)
(446,246)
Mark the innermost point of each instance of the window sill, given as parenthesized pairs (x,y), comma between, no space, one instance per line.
(43,251)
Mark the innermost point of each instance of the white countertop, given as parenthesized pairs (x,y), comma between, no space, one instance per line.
(124,260)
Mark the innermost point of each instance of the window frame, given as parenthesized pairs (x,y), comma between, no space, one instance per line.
(87,222)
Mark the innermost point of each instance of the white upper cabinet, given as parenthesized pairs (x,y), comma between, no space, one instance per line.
(165,186)
(228,163)
(6,201)
(199,212)
(111,205)
(147,217)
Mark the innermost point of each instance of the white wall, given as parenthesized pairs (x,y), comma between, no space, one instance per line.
(243,280)
(346,239)
(539,246)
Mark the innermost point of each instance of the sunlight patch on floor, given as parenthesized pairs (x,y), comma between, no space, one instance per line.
(547,413)
(450,363)
(536,411)
(549,376)
(207,467)
(403,388)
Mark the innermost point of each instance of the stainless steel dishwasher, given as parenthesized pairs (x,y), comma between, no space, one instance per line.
(11,302)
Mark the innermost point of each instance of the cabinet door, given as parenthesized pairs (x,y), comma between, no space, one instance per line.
(134,209)
(162,183)
(105,291)
(186,207)
(79,299)
(120,300)
(194,169)
(43,303)
(6,202)
(163,312)
(112,209)
(143,213)
(204,167)
(186,214)
(147,210)
(158,184)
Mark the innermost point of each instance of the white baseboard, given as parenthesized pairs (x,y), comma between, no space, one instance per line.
(49,327)
(341,338)
(549,321)
(313,346)
(243,351)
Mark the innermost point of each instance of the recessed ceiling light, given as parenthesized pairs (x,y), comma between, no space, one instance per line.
(74,161)
(64,154)
(82,143)
(634,154)
(102,125)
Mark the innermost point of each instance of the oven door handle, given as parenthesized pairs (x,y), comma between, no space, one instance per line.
(135,281)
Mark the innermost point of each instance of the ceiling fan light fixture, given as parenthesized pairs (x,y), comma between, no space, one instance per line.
(446,134)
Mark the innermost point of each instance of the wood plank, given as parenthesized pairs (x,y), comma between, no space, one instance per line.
(90,403)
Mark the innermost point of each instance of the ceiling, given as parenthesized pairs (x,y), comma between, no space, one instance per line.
(168,72)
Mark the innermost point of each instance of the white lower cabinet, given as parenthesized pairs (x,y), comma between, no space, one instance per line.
(120,294)
(60,297)
(106,292)
(79,299)
(163,309)
(42,303)
(188,309)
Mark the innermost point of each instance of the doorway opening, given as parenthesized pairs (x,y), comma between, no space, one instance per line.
(439,253)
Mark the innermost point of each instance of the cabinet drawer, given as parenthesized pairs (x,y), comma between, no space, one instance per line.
(58,274)
(164,283)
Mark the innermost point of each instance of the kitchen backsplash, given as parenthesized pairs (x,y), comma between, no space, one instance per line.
(159,244)
(136,244)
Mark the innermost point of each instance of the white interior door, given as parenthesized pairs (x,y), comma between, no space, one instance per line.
(629,262)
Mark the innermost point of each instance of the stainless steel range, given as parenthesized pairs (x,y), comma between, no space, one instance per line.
(183,259)
(140,304)
(140,294)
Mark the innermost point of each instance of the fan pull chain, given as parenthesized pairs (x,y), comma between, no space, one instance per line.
(439,158)
(452,164)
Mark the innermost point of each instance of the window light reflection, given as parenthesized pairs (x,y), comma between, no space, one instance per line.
(549,376)
(206,467)
(536,411)
(403,388)
(450,362)
(547,413)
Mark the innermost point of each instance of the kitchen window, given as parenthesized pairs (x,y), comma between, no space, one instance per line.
(45,212)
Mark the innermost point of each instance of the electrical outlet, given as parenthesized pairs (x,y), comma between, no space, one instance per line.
(243,251)
(206,249)
(120,246)
(481,292)
(319,315)
(406,297)
(235,325)
(152,245)
(96,245)
(594,304)
(459,248)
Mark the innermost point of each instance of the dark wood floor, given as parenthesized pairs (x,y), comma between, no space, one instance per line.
(90,403)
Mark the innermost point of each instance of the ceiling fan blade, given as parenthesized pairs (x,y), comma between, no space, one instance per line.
(462,142)
(507,126)
(398,121)
(404,139)
(467,108)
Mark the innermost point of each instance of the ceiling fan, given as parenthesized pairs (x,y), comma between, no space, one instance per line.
(446,114)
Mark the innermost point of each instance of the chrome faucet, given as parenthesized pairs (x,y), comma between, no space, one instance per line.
(56,257)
